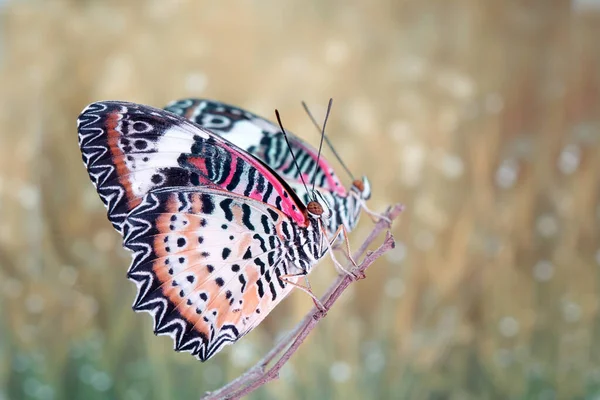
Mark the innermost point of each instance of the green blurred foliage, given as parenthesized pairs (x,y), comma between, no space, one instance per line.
(483,117)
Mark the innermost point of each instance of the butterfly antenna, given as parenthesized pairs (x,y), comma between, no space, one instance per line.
(291,152)
(327,140)
(321,144)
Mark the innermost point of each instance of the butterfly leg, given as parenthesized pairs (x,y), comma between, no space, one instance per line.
(342,230)
(306,289)
(375,217)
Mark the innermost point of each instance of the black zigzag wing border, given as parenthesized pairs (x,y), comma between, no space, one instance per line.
(94,155)
(166,318)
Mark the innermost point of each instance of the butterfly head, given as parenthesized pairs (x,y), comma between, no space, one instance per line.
(362,188)
(319,207)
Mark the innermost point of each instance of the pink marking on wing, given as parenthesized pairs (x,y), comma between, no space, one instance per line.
(256,195)
(286,202)
(232,171)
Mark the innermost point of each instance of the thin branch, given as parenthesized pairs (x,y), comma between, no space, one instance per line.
(258,375)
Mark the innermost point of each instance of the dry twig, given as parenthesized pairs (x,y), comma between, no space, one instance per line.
(258,375)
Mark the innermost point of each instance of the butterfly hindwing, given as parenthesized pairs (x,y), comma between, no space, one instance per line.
(207,264)
(261,138)
(131,149)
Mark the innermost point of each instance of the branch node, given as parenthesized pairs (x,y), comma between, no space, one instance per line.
(358,275)
(319,314)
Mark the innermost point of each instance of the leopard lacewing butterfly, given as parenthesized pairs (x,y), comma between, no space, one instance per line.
(264,139)
(218,237)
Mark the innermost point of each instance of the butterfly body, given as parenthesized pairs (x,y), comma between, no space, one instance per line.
(264,140)
(218,238)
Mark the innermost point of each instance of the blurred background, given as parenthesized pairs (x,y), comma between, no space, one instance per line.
(482,117)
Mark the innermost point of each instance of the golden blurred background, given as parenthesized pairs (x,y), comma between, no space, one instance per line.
(483,117)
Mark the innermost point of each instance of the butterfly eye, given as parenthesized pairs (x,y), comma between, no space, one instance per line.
(359,185)
(323,204)
(314,208)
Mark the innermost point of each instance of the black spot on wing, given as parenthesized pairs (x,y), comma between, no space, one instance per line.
(208,206)
(246,216)
(285,229)
(250,185)
(272,242)
(271,258)
(237,174)
(261,240)
(226,207)
(273,292)
(274,215)
(182,201)
(226,252)
(261,264)
(268,192)
(265,223)
(260,184)
(261,290)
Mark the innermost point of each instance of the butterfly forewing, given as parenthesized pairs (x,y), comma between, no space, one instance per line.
(261,138)
(131,149)
(264,140)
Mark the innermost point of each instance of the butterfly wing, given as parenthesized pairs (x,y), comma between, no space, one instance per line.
(261,138)
(212,228)
(131,149)
(207,264)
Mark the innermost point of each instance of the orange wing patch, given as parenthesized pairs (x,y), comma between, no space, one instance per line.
(113,138)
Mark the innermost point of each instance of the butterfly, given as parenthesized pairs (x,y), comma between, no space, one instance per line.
(218,237)
(265,140)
